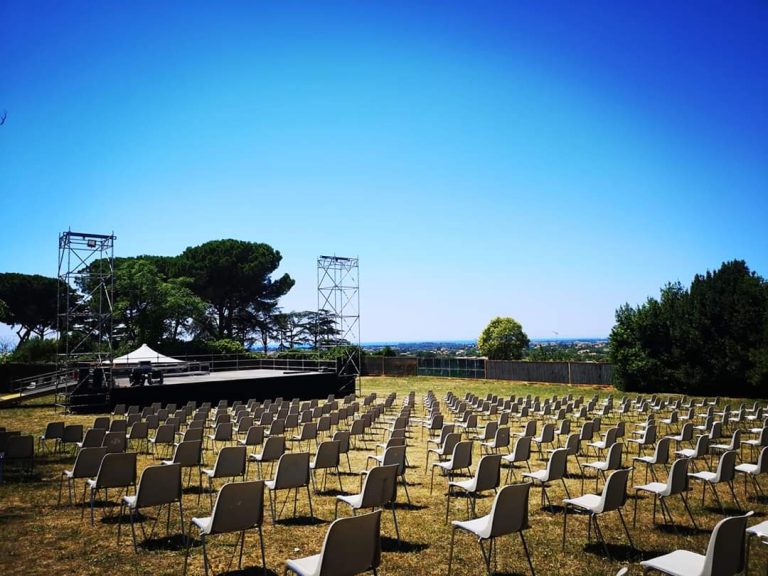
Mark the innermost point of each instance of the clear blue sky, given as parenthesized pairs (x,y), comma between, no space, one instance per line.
(548,161)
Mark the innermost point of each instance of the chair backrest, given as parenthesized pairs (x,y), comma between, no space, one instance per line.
(661,454)
(615,453)
(20,447)
(462,455)
(94,437)
(615,490)
(530,428)
(677,482)
(509,513)
(165,434)
(159,485)
(327,455)
(274,448)
(352,545)
(292,470)
(230,462)
(488,474)
(450,442)
(548,433)
(726,467)
(88,462)
(587,431)
(191,434)
(54,430)
(117,470)
(650,434)
(572,443)
(395,455)
(72,433)
(342,437)
(239,506)
(702,446)
(101,422)
(686,433)
(188,453)
(380,486)
(114,441)
(255,436)
(139,431)
(726,548)
(557,464)
(610,437)
(501,440)
(762,461)
(522,449)
(564,428)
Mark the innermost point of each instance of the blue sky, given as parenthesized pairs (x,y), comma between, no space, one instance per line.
(546,161)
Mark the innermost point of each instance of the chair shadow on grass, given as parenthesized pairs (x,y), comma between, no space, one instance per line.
(300,521)
(617,551)
(389,544)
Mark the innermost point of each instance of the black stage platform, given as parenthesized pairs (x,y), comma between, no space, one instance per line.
(234,385)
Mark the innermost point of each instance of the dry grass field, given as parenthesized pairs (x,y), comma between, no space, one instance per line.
(39,537)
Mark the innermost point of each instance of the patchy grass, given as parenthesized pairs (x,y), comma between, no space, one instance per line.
(39,537)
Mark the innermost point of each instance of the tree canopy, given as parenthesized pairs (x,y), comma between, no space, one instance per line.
(234,278)
(29,303)
(503,339)
(709,339)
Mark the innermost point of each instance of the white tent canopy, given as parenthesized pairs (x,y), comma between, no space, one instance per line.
(144,354)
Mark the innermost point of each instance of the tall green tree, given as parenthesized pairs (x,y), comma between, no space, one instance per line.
(503,339)
(235,279)
(30,303)
(709,339)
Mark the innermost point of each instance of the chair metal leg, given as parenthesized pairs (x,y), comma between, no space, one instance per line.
(527,554)
(626,530)
(450,555)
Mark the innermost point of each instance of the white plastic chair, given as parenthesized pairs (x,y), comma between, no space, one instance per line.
(676,484)
(555,470)
(520,453)
(753,471)
(613,497)
(724,474)
(509,514)
(292,473)
(611,462)
(86,466)
(379,491)
(487,477)
(725,553)
(239,507)
(461,459)
(159,486)
(352,546)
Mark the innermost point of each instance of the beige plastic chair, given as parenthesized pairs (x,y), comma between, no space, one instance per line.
(239,507)
(117,470)
(379,491)
(676,484)
(487,477)
(726,471)
(86,466)
(509,514)
(352,546)
(753,471)
(188,454)
(648,438)
(292,473)
(159,486)
(613,497)
(165,435)
(115,441)
(701,450)
(230,463)
(394,455)
(500,440)
(725,553)
(660,456)
(274,448)
(94,438)
(521,453)
(461,459)
(612,462)
(53,431)
(446,446)
(555,470)
(326,458)
(685,435)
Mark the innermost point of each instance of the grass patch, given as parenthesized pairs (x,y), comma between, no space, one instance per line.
(38,537)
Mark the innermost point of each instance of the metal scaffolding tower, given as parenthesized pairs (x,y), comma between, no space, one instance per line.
(86,290)
(338,293)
